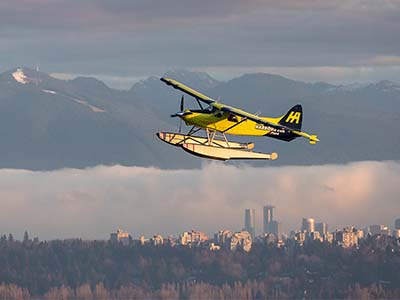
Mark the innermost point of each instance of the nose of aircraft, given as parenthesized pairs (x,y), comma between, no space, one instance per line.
(181,113)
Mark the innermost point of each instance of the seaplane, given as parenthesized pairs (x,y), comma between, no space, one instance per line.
(215,120)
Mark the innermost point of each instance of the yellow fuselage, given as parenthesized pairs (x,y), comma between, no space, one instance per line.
(229,124)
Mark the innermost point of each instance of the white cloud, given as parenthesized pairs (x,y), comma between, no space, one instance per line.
(382,60)
(93,202)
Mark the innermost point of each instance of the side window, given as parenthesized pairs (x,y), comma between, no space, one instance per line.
(233,118)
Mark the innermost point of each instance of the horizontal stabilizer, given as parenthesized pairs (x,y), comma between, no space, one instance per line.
(313,139)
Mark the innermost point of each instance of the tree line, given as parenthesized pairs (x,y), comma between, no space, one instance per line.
(77,269)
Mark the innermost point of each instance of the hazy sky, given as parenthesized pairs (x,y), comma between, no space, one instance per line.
(122,41)
(91,203)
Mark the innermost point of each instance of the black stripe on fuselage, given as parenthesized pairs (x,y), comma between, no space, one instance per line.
(287,136)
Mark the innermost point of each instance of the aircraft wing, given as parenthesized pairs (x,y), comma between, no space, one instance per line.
(210,101)
(180,86)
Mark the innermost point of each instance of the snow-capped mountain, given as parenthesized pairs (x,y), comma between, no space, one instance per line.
(47,123)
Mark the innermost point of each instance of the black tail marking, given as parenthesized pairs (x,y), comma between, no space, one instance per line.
(293,118)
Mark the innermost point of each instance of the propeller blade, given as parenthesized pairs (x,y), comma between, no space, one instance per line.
(182,99)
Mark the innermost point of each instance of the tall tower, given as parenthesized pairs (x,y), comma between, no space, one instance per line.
(268,217)
(397,224)
(308,225)
(322,228)
(250,221)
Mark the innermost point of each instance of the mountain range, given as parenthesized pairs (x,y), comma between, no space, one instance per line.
(47,123)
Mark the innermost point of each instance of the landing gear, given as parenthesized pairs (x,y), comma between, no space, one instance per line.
(214,145)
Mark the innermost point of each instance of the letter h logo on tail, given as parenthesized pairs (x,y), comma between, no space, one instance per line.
(293,118)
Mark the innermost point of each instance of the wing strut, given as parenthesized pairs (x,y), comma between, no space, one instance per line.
(199,103)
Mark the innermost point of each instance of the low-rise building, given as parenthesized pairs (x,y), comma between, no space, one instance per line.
(223,238)
(241,240)
(270,238)
(143,240)
(314,236)
(192,238)
(348,237)
(157,240)
(120,236)
(171,241)
(378,229)
(214,247)
(328,237)
(385,230)
(300,237)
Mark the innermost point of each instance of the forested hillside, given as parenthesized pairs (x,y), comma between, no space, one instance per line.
(76,269)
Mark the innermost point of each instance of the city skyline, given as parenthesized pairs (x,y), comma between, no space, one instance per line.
(89,202)
(307,225)
(321,227)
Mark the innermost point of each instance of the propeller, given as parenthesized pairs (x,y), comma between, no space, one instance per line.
(181,107)
(180,113)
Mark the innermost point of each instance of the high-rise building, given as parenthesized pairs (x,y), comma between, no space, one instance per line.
(276,228)
(397,224)
(308,225)
(250,221)
(268,217)
(270,225)
(322,228)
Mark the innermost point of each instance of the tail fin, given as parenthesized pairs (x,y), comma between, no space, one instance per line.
(293,118)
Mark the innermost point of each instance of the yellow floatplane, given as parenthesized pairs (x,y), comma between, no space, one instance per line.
(217,119)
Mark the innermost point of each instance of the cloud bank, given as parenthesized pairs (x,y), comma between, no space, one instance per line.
(93,202)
